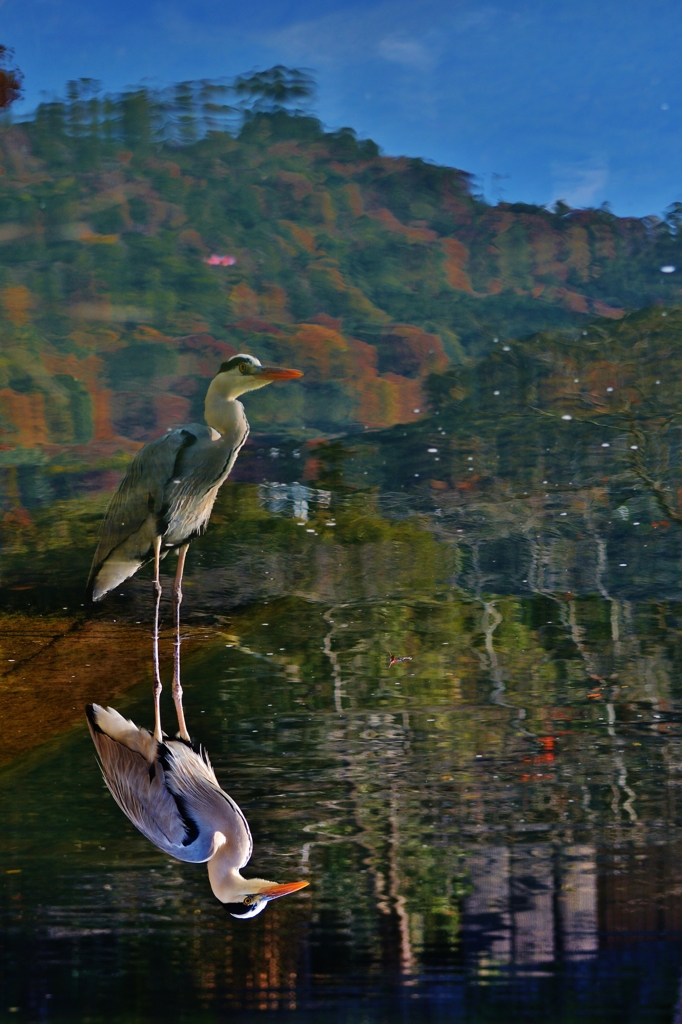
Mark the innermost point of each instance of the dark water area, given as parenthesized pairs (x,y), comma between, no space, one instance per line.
(490,826)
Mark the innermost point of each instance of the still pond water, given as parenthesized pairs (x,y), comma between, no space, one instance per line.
(491,829)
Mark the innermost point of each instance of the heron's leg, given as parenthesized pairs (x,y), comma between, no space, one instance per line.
(157,672)
(177,601)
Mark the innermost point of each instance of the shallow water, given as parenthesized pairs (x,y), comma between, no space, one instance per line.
(490,829)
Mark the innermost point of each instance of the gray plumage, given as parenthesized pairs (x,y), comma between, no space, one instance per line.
(167,789)
(169,490)
(170,793)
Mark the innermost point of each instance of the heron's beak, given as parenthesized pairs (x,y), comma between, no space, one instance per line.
(273,892)
(278,373)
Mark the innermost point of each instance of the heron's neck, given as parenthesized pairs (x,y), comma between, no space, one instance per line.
(223,413)
(223,874)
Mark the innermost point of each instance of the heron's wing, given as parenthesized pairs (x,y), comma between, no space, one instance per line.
(139,499)
(192,781)
(199,472)
(140,789)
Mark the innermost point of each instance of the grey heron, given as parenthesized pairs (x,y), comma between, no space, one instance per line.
(167,495)
(170,793)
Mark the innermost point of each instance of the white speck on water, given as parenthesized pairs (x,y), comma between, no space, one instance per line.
(495,341)
(265,623)
(545,481)
(470,458)
(416,474)
(432,451)
(669,268)
(606,444)
(310,531)
(609,389)
(658,381)
(563,513)
(576,380)
(634,447)
(567,416)
(623,565)
(505,348)
(635,524)
(496,392)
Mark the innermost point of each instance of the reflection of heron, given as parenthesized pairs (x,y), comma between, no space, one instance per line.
(167,495)
(171,794)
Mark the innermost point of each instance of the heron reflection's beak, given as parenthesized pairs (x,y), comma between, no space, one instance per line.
(278,373)
(275,891)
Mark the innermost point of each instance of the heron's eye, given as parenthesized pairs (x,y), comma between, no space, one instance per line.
(244,367)
(248,900)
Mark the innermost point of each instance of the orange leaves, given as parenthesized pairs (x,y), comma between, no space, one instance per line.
(298,183)
(16,303)
(456,258)
(321,351)
(91,238)
(102,429)
(388,399)
(244,300)
(26,413)
(544,248)
(304,238)
(149,334)
(391,222)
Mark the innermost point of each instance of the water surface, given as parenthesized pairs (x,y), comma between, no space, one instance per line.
(491,829)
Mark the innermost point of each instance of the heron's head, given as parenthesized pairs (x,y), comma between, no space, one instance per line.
(256,896)
(244,373)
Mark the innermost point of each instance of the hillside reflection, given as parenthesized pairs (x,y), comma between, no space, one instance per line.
(501,807)
(490,828)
